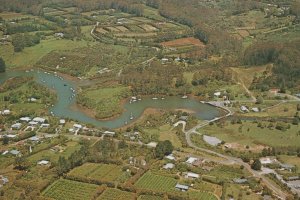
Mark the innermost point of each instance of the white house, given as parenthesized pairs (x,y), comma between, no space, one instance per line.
(77,126)
(267,160)
(39,120)
(191,160)
(25,119)
(33,123)
(244,109)
(45,125)
(170,157)
(192,175)
(16,126)
(217,94)
(62,121)
(169,166)
(11,135)
(110,133)
(43,162)
(183,188)
(6,112)
(255,109)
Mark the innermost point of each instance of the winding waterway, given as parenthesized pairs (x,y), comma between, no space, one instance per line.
(66,98)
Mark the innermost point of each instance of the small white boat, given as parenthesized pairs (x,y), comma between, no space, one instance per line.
(154,98)
(131,117)
(184,97)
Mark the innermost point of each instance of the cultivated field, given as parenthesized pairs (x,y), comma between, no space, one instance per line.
(112,194)
(70,190)
(156,182)
(149,197)
(183,42)
(103,172)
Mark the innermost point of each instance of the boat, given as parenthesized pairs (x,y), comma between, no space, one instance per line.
(131,117)
(184,97)
(154,98)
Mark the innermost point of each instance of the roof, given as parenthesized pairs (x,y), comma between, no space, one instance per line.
(27,119)
(191,160)
(240,180)
(11,135)
(62,121)
(169,166)
(77,126)
(152,144)
(34,138)
(14,152)
(39,119)
(192,175)
(181,187)
(170,157)
(43,162)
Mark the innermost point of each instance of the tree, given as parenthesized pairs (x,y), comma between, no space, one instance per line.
(2,65)
(21,163)
(5,140)
(163,148)
(256,165)
(62,165)
(259,100)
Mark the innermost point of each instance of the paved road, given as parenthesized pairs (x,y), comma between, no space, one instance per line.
(276,190)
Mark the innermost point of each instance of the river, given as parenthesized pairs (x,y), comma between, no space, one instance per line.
(66,98)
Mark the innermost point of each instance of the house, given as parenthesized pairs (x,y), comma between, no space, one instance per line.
(62,121)
(45,125)
(192,175)
(170,157)
(217,94)
(39,120)
(16,126)
(34,139)
(25,119)
(244,109)
(274,91)
(61,35)
(11,136)
(32,99)
(77,126)
(6,112)
(110,133)
(183,118)
(3,180)
(152,144)
(287,167)
(169,166)
(181,187)
(191,160)
(267,160)
(293,178)
(43,162)
(15,152)
(33,123)
(255,109)
(240,180)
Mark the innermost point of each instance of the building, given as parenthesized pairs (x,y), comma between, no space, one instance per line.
(6,112)
(240,180)
(191,160)
(33,123)
(11,135)
(16,126)
(62,121)
(152,144)
(109,133)
(181,187)
(45,125)
(244,109)
(15,152)
(267,160)
(255,109)
(169,166)
(61,35)
(77,126)
(43,162)
(192,175)
(25,119)
(170,157)
(287,167)
(39,120)
(217,94)
(34,139)
(274,91)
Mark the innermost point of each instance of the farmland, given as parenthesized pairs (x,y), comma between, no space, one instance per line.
(111,194)
(70,190)
(103,172)
(156,182)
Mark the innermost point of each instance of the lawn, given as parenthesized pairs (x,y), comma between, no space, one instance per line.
(70,190)
(150,197)
(105,102)
(103,172)
(112,194)
(30,55)
(155,182)
(250,134)
(236,191)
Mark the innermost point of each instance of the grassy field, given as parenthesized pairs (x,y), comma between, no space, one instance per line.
(104,101)
(156,182)
(250,134)
(292,160)
(67,150)
(103,172)
(149,197)
(236,191)
(29,56)
(111,194)
(70,190)
(165,133)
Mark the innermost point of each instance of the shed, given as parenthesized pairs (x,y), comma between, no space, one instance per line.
(169,166)
(191,160)
(39,120)
(15,152)
(192,175)
(25,119)
(181,187)
(16,126)
(240,180)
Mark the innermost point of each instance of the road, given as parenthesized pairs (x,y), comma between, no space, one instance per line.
(276,190)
